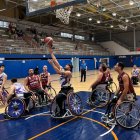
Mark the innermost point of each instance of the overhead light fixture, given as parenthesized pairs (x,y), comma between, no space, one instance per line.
(104,9)
(2,10)
(126,20)
(78,14)
(98,21)
(35,0)
(114,14)
(132,23)
(90,19)
(131,2)
(111,26)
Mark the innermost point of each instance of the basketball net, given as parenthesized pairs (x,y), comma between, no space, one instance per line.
(64,13)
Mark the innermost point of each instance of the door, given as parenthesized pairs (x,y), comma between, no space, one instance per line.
(75,63)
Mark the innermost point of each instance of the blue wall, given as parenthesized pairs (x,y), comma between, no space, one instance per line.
(15,67)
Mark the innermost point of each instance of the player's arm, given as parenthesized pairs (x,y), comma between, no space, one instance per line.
(40,82)
(4,81)
(99,78)
(11,93)
(126,87)
(54,58)
(25,84)
(49,79)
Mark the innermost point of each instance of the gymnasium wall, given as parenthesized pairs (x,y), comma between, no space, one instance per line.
(18,65)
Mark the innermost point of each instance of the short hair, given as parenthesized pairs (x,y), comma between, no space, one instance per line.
(121,65)
(2,65)
(14,80)
(104,67)
(71,67)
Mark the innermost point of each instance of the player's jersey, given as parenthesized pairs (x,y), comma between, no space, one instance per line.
(103,80)
(44,78)
(33,82)
(135,72)
(64,80)
(1,77)
(19,89)
(121,84)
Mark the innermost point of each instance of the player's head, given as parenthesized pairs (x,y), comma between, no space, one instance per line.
(134,66)
(103,67)
(45,68)
(68,67)
(14,80)
(119,66)
(31,71)
(2,67)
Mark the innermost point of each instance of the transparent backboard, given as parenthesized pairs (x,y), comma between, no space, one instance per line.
(44,6)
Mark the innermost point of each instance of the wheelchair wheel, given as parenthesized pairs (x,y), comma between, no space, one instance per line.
(127,114)
(112,87)
(4,96)
(100,97)
(54,108)
(51,91)
(74,103)
(15,108)
(31,104)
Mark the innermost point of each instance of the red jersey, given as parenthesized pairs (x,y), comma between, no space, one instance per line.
(33,82)
(44,78)
(103,80)
(121,84)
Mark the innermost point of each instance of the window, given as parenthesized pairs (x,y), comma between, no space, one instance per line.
(79,37)
(4,24)
(67,35)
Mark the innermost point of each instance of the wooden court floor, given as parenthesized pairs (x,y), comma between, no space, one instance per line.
(79,86)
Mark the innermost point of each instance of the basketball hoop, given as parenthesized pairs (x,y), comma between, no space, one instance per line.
(64,13)
(123,27)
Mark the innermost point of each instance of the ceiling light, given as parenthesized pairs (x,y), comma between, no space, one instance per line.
(35,0)
(98,21)
(131,2)
(132,23)
(90,19)
(126,20)
(111,26)
(78,14)
(114,14)
(104,9)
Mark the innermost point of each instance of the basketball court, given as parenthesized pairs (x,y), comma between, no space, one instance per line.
(76,27)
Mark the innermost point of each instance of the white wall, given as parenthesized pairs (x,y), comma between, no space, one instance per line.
(117,49)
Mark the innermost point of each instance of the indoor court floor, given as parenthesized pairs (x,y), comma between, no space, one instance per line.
(39,125)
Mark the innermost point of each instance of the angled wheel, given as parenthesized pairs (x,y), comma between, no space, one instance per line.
(51,91)
(31,104)
(127,114)
(74,103)
(112,87)
(15,108)
(100,97)
(4,96)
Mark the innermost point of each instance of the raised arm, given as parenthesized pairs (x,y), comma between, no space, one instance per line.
(25,84)
(54,58)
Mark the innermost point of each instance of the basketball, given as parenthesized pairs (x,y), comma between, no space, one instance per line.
(48,41)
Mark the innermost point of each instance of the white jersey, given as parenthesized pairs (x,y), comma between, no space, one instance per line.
(19,89)
(2,75)
(135,72)
(64,80)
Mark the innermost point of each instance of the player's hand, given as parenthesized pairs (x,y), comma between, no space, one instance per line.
(50,61)
(119,102)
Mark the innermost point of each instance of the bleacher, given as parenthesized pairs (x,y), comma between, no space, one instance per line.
(62,46)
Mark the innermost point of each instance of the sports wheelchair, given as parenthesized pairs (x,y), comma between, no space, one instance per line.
(101,95)
(72,105)
(127,114)
(135,80)
(17,106)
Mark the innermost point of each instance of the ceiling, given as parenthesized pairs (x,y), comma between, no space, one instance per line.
(111,15)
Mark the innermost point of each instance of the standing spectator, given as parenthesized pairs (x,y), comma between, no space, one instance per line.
(83,69)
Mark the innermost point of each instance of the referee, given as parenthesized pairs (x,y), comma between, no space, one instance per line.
(83,69)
